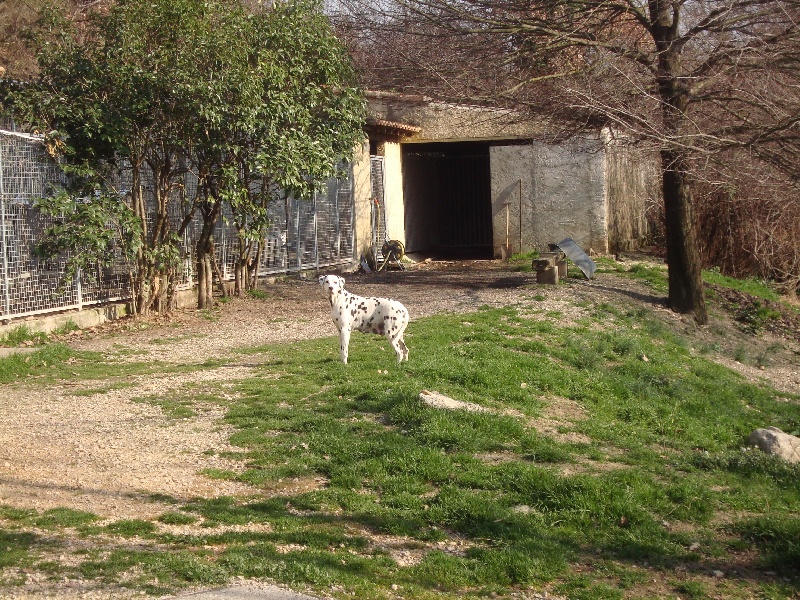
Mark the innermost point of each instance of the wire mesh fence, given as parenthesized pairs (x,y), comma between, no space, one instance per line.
(302,235)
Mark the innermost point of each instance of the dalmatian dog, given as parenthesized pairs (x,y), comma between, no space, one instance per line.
(350,312)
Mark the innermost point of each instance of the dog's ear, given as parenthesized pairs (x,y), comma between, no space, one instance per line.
(341,280)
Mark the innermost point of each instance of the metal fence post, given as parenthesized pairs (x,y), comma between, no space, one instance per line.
(6,282)
(336,221)
(79,289)
(316,240)
(297,236)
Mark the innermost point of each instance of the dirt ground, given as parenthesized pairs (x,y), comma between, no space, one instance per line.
(110,455)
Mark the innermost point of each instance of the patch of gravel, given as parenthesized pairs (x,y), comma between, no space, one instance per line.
(106,454)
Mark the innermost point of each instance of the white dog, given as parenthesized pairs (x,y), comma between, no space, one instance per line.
(385,317)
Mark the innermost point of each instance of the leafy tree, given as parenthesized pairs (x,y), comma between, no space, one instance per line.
(96,234)
(105,90)
(292,112)
(235,97)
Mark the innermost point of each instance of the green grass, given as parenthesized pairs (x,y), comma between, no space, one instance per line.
(523,261)
(177,518)
(67,327)
(47,362)
(182,404)
(173,408)
(257,294)
(348,465)
(751,286)
(21,335)
(656,277)
(57,362)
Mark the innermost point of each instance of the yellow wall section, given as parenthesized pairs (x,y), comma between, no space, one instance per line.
(395,207)
(362,196)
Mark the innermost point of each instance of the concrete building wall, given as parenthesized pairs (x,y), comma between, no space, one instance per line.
(441,121)
(554,191)
(591,189)
(512,175)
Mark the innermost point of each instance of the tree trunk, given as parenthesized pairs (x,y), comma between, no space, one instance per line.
(241,267)
(205,254)
(142,288)
(238,281)
(683,252)
(205,274)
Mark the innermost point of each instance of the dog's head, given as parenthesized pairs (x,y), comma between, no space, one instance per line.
(332,284)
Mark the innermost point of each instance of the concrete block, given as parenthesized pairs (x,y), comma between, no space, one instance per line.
(548,275)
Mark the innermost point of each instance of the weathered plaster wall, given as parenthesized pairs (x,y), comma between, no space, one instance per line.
(512,178)
(590,189)
(393,192)
(555,191)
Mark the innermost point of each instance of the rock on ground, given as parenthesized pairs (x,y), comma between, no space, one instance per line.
(774,441)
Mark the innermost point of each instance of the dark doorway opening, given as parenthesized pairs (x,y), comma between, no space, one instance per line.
(447,193)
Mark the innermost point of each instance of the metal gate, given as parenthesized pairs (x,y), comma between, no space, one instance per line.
(448,199)
(379,234)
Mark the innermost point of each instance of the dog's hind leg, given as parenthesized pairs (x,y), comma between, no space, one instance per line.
(399,346)
(404,348)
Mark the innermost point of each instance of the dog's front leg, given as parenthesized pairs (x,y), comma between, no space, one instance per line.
(344,342)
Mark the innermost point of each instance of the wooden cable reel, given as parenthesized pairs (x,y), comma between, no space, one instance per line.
(393,252)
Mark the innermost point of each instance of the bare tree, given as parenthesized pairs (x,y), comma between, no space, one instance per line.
(692,79)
